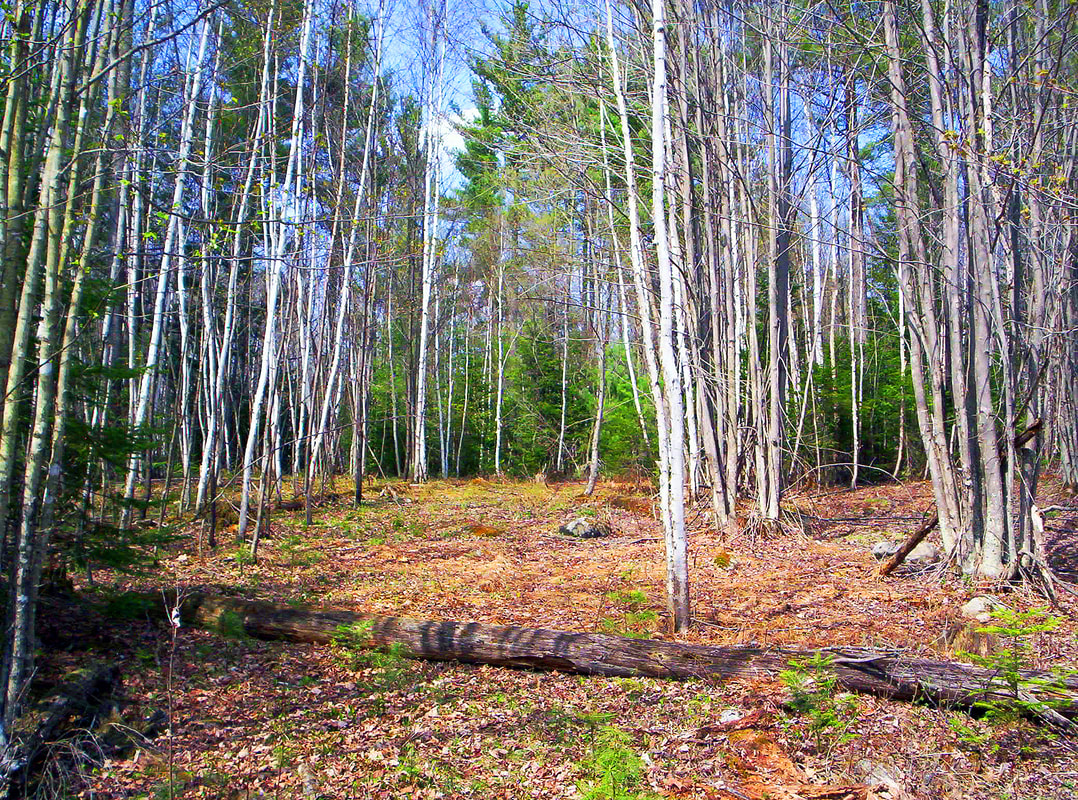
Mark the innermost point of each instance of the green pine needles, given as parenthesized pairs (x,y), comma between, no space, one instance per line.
(1015,693)
(830,714)
(614,770)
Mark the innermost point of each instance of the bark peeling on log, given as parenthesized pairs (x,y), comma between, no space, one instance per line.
(885,674)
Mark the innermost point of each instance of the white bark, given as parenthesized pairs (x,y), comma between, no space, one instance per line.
(623,305)
(430,239)
(281,207)
(677,571)
(640,279)
(351,253)
(169,248)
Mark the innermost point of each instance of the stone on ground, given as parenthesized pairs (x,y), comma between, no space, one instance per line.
(582,528)
(922,555)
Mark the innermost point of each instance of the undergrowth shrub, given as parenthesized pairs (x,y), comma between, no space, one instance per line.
(128,606)
(636,621)
(230,624)
(297,554)
(1017,695)
(830,714)
(613,769)
(243,556)
(387,666)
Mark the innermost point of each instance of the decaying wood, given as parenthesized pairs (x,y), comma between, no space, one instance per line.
(915,539)
(885,674)
(72,705)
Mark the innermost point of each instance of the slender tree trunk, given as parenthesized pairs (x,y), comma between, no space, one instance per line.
(332,392)
(500,391)
(273,279)
(172,235)
(430,245)
(677,572)
(30,544)
(915,282)
(599,327)
(33,275)
(780,147)
(559,462)
(857,276)
(12,133)
(640,279)
(623,305)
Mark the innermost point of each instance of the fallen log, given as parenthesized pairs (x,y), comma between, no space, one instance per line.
(73,705)
(885,674)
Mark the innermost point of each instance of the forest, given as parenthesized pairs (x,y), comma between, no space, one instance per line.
(298,295)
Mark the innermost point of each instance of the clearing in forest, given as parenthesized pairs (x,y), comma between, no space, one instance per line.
(253,718)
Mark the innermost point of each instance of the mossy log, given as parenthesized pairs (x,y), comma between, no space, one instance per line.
(885,674)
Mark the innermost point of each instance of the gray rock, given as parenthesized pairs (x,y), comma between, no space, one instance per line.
(922,555)
(979,608)
(582,528)
(730,715)
(884,550)
(881,777)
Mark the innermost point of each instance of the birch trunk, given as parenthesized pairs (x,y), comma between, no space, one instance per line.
(351,254)
(623,305)
(857,277)
(430,245)
(274,268)
(677,572)
(640,280)
(599,328)
(142,409)
(559,462)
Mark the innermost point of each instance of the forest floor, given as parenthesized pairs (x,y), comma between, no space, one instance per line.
(265,719)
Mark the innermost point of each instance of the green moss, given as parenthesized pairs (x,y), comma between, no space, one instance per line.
(230,624)
(130,607)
